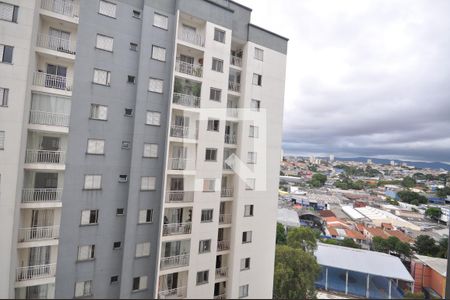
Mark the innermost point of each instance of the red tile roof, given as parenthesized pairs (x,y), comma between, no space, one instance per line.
(375,231)
(326,213)
(401,236)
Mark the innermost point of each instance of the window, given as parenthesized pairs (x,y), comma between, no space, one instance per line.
(246,237)
(207,215)
(153,118)
(250,184)
(117,245)
(8,12)
(89,217)
(257,79)
(136,14)
(211,154)
(156,85)
(248,210)
(104,42)
(139,283)
(4,97)
(131,79)
(215,94)
(86,252)
(6,53)
(158,53)
(245,263)
(259,54)
(148,183)
(160,21)
(243,291)
(143,249)
(96,146)
(126,145)
(133,46)
(251,157)
(209,185)
(151,150)
(128,112)
(99,112)
(217,64)
(2,140)
(254,131)
(114,279)
(102,77)
(145,216)
(204,246)
(219,35)
(123,178)
(202,277)
(120,211)
(92,182)
(83,288)
(255,105)
(213,125)
(107,9)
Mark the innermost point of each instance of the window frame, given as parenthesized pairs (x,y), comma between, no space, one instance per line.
(142,249)
(104,36)
(9,54)
(250,211)
(150,150)
(90,213)
(258,79)
(215,92)
(204,274)
(208,217)
(152,118)
(160,48)
(259,57)
(218,63)
(2,139)
(246,262)
(148,217)
(211,154)
(4,96)
(108,77)
(90,251)
(94,177)
(161,15)
(248,237)
(99,145)
(158,82)
(258,108)
(202,250)
(104,14)
(210,180)
(84,289)
(147,187)
(213,125)
(243,291)
(15,12)
(98,107)
(219,35)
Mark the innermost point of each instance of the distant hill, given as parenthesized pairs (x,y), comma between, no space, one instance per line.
(417,164)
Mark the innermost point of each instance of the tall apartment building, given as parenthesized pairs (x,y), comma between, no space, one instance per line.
(121,122)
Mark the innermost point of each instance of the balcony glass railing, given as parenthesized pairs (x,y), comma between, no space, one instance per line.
(236,61)
(186,100)
(230,139)
(225,218)
(221,272)
(191,37)
(234,86)
(179,196)
(177,293)
(223,245)
(189,69)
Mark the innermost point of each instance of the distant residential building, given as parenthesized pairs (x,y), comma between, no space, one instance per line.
(430,275)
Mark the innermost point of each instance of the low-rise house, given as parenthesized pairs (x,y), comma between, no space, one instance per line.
(430,274)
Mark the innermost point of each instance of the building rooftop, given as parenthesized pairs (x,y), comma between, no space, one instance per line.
(437,264)
(288,217)
(363,261)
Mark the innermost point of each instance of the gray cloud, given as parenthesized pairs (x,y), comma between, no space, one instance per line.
(364,78)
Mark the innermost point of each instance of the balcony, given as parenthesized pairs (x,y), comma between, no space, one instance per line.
(65,8)
(56,44)
(49,118)
(52,81)
(230,139)
(45,157)
(179,197)
(221,272)
(189,69)
(232,112)
(186,100)
(183,132)
(236,61)
(174,261)
(41,195)
(234,86)
(178,164)
(225,219)
(35,272)
(38,233)
(191,37)
(177,293)
(223,245)
(226,192)
(221,296)
(177,229)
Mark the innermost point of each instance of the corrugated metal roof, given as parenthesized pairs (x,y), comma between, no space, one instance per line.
(363,261)
(437,264)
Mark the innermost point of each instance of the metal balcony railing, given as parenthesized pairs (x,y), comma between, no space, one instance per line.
(179,196)
(184,132)
(55,43)
(221,272)
(35,272)
(186,100)
(178,164)
(41,195)
(177,228)
(65,8)
(225,218)
(236,61)
(177,293)
(226,193)
(49,118)
(52,81)
(232,112)
(189,69)
(174,261)
(234,86)
(38,233)
(230,139)
(223,245)
(192,38)
(221,296)
(45,156)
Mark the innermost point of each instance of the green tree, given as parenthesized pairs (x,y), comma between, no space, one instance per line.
(281,234)
(433,213)
(412,197)
(391,245)
(426,245)
(408,182)
(443,246)
(302,238)
(295,274)
(350,243)
(318,180)
(409,295)
(443,193)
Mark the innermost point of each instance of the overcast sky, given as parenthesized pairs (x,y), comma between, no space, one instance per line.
(364,77)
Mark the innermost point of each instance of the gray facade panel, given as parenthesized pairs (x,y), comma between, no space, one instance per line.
(267,39)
